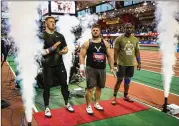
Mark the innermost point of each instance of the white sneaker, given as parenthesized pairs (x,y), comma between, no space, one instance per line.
(89,110)
(47,112)
(69,108)
(98,106)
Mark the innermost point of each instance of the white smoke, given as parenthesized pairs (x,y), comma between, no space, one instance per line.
(168,27)
(23,29)
(65,26)
(86,22)
(66,29)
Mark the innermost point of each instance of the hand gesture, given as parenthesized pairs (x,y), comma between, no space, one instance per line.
(56,45)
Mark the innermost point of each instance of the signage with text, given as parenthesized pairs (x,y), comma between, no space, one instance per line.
(63,7)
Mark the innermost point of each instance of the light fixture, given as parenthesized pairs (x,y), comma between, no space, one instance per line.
(145,3)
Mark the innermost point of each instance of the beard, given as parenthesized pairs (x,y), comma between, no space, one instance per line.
(95,36)
(52,29)
(128,33)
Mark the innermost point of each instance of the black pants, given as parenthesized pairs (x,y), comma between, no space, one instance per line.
(125,71)
(49,74)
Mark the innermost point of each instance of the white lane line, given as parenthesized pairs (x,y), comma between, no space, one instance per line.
(155,67)
(152,63)
(148,86)
(155,72)
(139,101)
(152,107)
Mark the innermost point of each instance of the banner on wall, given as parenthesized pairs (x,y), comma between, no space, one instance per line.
(63,7)
(44,7)
(112,22)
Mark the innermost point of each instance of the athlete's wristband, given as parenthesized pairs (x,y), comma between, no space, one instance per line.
(115,64)
(138,60)
(50,49)
(82,67)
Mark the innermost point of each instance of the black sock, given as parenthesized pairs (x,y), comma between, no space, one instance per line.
(125,94)
(115,95)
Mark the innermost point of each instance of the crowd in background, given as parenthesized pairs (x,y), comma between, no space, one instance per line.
(140,28)
(145,28)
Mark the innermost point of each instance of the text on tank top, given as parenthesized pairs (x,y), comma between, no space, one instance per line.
(96,55)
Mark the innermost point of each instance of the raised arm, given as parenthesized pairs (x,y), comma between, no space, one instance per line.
(63,46)
(47,51)
(51,49)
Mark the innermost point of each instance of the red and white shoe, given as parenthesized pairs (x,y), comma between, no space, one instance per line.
(113,101)
(128,99)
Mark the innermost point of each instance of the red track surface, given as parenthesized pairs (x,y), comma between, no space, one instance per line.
(151,61)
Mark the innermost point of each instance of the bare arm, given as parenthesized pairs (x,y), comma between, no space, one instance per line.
(109,55)
(137,53)
(83,52)
(116,50)
(116,53)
